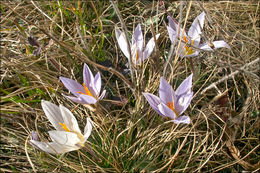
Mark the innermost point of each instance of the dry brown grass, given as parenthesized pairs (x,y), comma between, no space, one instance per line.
(224,134)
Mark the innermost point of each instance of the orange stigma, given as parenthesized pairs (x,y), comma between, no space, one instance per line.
(137,57)
(170,105)
(86,90)
(188,49)
(64,127)
(185,39)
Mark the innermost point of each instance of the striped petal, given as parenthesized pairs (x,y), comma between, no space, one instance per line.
(185,86)
(197,25)
(73,86)
(69,119)
(53,147)
(166,92)
(182,119)
(87,99)
(154,101)
(53,114)
(64,138)
(87,129)
(121,39)
(166,111)
(149,47)
(137,38)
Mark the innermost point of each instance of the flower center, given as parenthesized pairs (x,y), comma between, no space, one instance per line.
(170,105)
(64,127)
(188,50)
(86,90)
(80,136)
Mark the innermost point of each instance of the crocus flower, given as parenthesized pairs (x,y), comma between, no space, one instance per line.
(88,92)
(193,37)
(172,103)
(34,136)
(67,136)
(136,46)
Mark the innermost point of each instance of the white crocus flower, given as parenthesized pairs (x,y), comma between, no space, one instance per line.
(136,46)
(193,37)
(67,136)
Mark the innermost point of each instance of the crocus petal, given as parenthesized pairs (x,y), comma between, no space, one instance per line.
(183,102)
(102,95)
(73,86)
(134,52)
(88,77)
(53,147)
(149,48)
(53,114)
(154,101)
(87,129)
(137,38)
(117,32)
(121,39)
(172,24)
(166,92)
(195,29)
(64,138)
(185,86)
(220,43)
(172,34)
(76,99)
(34,136)
(205,47)
(97,84)
(87,99)
(166,111)
(69,120)
(182,50)
(217,44)
(182,119)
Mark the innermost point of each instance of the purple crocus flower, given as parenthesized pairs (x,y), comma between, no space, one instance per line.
(34,136)
(89,91)
(136,46)
(172,103)
(193,37)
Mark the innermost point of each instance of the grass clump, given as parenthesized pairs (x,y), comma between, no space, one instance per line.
(128,135)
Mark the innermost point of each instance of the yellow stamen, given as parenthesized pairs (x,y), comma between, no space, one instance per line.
(170,105)
(64,127)
(188,49)
(86,90)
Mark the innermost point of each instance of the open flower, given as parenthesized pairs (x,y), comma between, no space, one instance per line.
(193,38)
(136,46)
(67,136)
(88,92)
(172,103)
